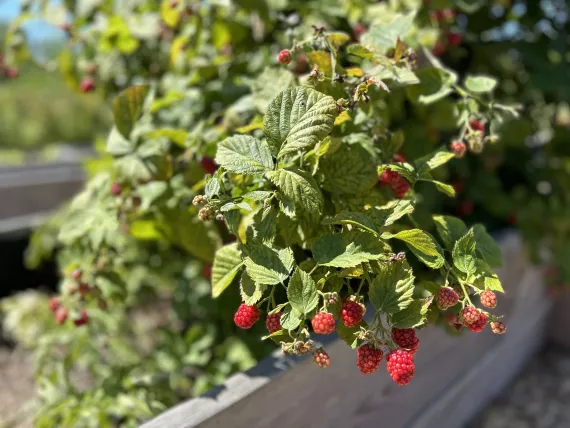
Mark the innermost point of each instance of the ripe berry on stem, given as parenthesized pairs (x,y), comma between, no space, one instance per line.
(454,39)
(479,325)
(470,314)
(488,299)
(400,365)
(477,125)
(54,304)
(61,315)
(82,320)
(273,322)
(246,316)
(208,165)
(87,85)
(351,313)
(116,189)
(498,327)
(323,323)
(406,338)
(321,358)
(284,57)
(446,298)
(368,359)
(458,148)
(400,187)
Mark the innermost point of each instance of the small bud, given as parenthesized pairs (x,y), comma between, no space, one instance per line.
(498,327)
(198,200)
(458,148)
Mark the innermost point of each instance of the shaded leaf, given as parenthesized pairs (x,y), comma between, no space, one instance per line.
(268,265)
(128,108)
(423,245)
(392,290)
(227,264)
(302,292)
(464,253)
(347,249)
(298,189)
(450,229)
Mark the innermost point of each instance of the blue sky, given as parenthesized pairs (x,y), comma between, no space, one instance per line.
(36,30)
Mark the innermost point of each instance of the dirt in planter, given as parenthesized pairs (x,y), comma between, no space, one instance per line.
(539,398)
(16,388)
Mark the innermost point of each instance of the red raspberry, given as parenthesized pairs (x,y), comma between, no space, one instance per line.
(439,49)
(458,148)
(458,186)
(400,365)
(446,298)
(406,338)
(358,30)
(477,125)
(284,57)
(488,299)
(388,176)
(82,320)
(368,359)
(478,325)
(323,323)
(61,315)
(351,313)
(207,271)
(400,187)
(84,289)
(54,304)
(454,39)
(273,322)
(116,189)
(451,318)
(465,208)
(469,314)
(246,316)
(11,73)
(87,85)
(398,157)
(498,327)
(321,358)
(208,165)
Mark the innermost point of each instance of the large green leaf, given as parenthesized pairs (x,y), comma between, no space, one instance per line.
(383,36)
(423,245)
(290,319)
(244,154)
(297,190)
(450,229)
(392,290)
(297,119)
(250,291)
(487,247)
(226,266)
(412,316)
(348,249)
(268,85)
(128,108)
(302,292)
(350,334)
(391,212)
(464,253)
(268,265)
(480,84)
(349,169)
(432,161)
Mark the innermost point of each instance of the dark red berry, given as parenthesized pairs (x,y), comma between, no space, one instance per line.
(82,320)
(359,30)
(458,148)
(400,365)
(512,219)
(208,165)
(323,323)
(368,359)
(465,208)
(488,299)
(388,176)
(207,271)
(469,314)
(87,85)
(498,327)
(84,289)
(400,187)
(477,125)
(454,39)
(273,322)
(406,338)
(458,186)
(479,325)
(284,57)
(446,298)
(116,189)
(439,49)
(398,157)
(54,304)
(246,316)
(351,313)
(321,358)
(61,315)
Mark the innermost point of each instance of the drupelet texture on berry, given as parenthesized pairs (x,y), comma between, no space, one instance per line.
(498,327)
(400,365)
(273,322)
(368,359)
(284,57)
(479,325)
(446,298)
(323,323)
(351,313)
(406,338)
(400,187)
(488,299)
(458,148)
(246,316)
(469,314)
(321,358)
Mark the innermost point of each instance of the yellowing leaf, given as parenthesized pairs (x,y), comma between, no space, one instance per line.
(322,60)
(170,15)
(342,118)
(127,108)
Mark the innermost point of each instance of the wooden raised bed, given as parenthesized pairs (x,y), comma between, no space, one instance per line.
(455,377)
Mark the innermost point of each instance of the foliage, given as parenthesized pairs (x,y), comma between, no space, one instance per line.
(292,214)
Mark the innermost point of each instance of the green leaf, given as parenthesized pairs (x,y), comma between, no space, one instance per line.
(413,316)
(302,292)
(357,219)
(250,292)
(290,319)
(268,85)
(392,290)
(347,249)
(226,266)
(359,51)
(128,108)
(350,334)
(464,253)
(432,161)
(486,279)
(244,154)
(298,189)
(212,188)
(297,119)
(402,75)
(257,195)
(268,265)
(480,84)
(383,36)
(487,247)
(450,229)
(348,170)
(423,245)
(435,84)
(262,230)
(391,212)
(235,206)
(117,145)
(446,189)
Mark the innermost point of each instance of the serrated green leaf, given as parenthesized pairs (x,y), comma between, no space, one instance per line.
(268,85)
(487,247)
(480,84)
(302,292)
(227,264)
(250,292)
(297,119)
(278,337)
(257,195)
(347,249)
(268,265)
(360,220)
(391,212)
(486,279)
(290,319)
(297,190)
(450,229)
(401,74)
(235,206)
(433,161)
(383,36)
(349,170)
(128,107)
(350,334)
(212,188)
(244,154)
(262,230)
(423,245)
(411,317)
(464,253)
(392,290)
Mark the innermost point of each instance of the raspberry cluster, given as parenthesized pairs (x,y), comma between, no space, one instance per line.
(273,322)
(323,323)
(406,339)
(400,365)
(446,298)
(469,315)
(321,358)
(351,313)
(368,359)
(246,316)
(399,184)
(458,148)
(488,299)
